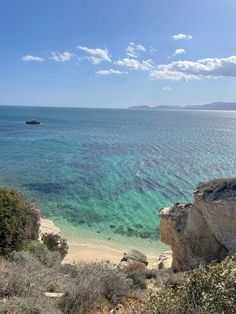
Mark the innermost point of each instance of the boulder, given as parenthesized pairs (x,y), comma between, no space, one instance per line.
(135,258)
(164,260)
(204,231)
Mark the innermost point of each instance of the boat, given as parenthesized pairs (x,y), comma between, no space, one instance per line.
(34,121)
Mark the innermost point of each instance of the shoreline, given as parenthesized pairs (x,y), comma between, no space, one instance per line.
(91,251)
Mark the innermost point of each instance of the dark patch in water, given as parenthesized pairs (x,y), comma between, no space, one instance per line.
(145,184)
(47,187)
(141,232)
(141,184)
(76,215)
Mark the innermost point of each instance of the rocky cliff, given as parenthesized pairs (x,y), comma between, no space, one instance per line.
(204,231)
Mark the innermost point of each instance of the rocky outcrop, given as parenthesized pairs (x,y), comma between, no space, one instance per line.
(204,231)
(47,226)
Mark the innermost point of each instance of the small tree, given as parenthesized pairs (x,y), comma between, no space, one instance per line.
(55,242)
(19,221)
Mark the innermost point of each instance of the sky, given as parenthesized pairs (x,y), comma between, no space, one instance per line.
(116,54)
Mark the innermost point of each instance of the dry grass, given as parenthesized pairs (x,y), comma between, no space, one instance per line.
(26,276)
(95,283)
(29,305)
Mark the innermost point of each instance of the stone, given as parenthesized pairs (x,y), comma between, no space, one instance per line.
(204,231)
(134,256)
(53,295)
(164,260)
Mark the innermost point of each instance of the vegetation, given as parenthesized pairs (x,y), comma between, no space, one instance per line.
(29,305)
(29,268)
(55,243)
(218,188)
(26,278)
(42,253)
(205,290)
(19,221)
(95,283)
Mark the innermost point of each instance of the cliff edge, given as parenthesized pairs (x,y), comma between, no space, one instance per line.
(204,231)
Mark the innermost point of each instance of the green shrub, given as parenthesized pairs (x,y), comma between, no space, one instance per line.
(28,305)
(19,221)
(41,252)
(214,288)
(55,242)
(95,283)
(206,290)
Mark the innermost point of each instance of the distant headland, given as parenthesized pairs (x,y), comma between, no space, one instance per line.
(213,106)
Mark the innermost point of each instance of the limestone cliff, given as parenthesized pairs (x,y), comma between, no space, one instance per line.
(205,230)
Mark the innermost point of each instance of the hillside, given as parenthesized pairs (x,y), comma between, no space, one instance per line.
(213,106)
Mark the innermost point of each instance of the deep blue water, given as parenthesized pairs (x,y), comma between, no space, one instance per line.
(106,172)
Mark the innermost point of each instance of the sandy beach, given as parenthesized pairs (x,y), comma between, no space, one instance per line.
(97,251)
(89,251)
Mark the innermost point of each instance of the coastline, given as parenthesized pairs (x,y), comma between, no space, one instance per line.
(94,250)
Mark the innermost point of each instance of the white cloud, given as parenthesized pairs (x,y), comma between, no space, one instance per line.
(135,64)
(167,88)
(180,51)
(111,72)
(32,58)
(152,50)
(133,50)
(61,56)
(172,75)
(97,55)
(195,70)
(181,36)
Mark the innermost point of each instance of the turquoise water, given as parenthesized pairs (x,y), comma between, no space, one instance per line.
(104,173)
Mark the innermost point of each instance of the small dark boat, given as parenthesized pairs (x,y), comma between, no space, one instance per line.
(34,121)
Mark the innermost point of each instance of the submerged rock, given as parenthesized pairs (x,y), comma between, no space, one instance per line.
(204,231)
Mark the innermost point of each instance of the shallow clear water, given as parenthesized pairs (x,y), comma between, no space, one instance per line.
(104,173)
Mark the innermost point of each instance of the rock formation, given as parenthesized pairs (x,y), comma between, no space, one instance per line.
(204,231)
(47,226)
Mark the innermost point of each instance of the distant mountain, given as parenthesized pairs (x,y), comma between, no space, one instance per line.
(140,107)
(220,106)
(213,106)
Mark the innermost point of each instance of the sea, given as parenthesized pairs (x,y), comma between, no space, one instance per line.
(103,174)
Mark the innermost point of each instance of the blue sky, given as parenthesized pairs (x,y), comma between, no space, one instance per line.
(115,54)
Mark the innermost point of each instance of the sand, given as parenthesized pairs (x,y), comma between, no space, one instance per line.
(89,251)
